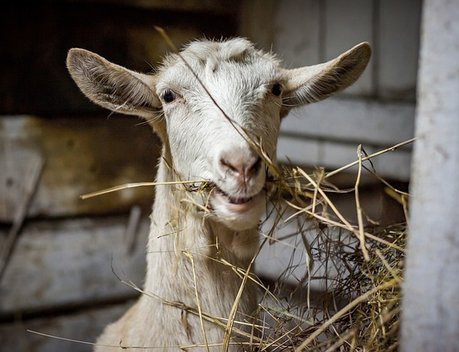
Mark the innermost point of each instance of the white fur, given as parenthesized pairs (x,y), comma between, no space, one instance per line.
(204,138)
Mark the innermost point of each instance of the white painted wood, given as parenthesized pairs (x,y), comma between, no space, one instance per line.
(398,48)
(298,151)
(70,262)
(296,32)
(346,24)
(332,155)
(84,326)
(353,120)
(430,319)
(327,134)
(393,164)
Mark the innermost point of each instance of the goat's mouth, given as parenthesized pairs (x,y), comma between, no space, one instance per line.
(237,211)
(238,204)
(232,199)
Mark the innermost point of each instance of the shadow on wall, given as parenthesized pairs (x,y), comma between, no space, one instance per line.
(35,39)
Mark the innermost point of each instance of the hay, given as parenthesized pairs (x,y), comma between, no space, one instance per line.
(360,311)
(361,270)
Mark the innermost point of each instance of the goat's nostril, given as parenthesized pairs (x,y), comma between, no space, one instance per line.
(240,168)
(227,165)
(255,167)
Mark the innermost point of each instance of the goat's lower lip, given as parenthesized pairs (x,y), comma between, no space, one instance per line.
(237,204)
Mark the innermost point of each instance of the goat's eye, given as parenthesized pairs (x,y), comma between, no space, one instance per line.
(169,96)
(276,89)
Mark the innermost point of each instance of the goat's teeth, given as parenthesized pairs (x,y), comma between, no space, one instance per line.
(233,200)
(239,200)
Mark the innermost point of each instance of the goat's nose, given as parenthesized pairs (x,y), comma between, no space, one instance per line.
(240,166)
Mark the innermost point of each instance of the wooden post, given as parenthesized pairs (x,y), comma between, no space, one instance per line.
(430,318)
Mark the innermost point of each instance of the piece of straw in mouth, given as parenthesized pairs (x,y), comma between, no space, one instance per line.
(135,185)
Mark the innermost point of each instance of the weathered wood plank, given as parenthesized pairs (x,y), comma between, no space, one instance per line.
(398,48)
(430,314)
(84,326)
(70,262)
(346,24)
(353,120)
(332,155)
(296,32)
(327,134)
(81,155)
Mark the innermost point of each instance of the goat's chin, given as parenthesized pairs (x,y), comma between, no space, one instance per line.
(241,216)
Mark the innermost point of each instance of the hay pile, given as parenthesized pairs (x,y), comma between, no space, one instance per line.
(359,312)
(360,270)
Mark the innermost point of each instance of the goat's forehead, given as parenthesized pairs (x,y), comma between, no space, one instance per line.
(232,60)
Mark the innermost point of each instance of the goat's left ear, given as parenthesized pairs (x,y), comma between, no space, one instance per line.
(313,83)
(112,86)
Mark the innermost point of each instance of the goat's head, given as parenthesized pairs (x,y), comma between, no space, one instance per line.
(210,104)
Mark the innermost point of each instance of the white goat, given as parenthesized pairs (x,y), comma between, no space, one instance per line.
(205,134)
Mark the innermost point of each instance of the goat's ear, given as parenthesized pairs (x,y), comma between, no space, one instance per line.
(313,83)
(112,86)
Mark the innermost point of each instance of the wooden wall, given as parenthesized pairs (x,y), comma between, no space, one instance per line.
(60,277)
(378,110)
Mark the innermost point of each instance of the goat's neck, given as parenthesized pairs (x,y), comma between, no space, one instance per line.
(182,241)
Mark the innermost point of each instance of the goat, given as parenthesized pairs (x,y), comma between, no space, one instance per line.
(206,104)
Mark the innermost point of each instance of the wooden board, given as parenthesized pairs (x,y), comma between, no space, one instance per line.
(398,48)
(332,155)
(71,262)
(353,120)
(307,32)
(82,155)
(346,24)
(84,325)
(297,32)
(327,134)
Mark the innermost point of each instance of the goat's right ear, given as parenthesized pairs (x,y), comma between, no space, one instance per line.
(112,86)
